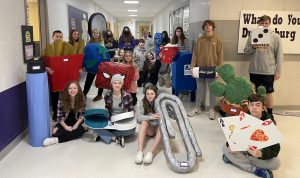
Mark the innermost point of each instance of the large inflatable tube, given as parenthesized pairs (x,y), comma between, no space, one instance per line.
(163,103)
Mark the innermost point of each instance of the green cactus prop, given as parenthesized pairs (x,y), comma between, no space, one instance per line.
(236,90)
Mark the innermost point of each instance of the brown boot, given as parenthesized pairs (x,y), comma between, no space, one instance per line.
(97,98)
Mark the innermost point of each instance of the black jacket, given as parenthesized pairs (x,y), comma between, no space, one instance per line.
(151,75)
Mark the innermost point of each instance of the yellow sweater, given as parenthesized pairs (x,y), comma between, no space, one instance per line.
(208,52)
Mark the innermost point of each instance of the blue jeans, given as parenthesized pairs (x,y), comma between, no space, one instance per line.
(106,134)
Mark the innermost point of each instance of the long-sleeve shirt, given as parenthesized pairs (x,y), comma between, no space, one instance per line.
(149,44)
(139,56)
(128,44)
(126,100)
(185,46)
(62,115)
(208,52)
(133,85)
(152,75)
(139,115)
(273,150)
(265,61)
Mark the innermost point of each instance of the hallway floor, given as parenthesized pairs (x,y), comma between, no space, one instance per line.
(82,159)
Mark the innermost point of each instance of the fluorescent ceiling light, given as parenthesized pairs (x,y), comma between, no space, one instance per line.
(131,2)
(132,10)
(133,15)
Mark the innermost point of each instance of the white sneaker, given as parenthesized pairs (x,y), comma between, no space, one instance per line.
(91,137)
(148,158)
(194,112)
(212,114)
(139,157)
(50,141)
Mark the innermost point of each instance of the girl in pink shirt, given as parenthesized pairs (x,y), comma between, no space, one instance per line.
(128,59)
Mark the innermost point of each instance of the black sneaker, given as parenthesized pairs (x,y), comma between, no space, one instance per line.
(97,139)
(120,141)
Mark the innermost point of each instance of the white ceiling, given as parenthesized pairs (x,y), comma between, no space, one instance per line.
(147,9)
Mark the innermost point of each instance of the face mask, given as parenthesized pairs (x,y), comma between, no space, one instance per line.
(126,32)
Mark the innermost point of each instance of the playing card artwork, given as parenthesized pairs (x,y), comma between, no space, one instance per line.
(244,131)
(258,136)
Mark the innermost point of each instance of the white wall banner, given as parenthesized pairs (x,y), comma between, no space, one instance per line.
(285,23)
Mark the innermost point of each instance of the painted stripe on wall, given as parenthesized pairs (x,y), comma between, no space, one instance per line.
(13,113)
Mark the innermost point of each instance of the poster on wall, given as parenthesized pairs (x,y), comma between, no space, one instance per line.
(27,41)
(78,20)
(285,23)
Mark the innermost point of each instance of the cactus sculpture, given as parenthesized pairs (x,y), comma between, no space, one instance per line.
(236,90)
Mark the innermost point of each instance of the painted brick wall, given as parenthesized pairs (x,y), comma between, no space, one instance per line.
(13,112)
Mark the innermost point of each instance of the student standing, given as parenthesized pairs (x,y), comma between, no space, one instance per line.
(265,62)
(126,40)
(164,74)
(128,59)
(96,38)
(139,56)
(208,52)
(54,95)
(110,43)
(180,39)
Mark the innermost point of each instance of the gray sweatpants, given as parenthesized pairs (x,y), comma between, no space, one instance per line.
(250,163)
(202,84)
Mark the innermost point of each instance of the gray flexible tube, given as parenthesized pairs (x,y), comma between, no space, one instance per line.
(163,102)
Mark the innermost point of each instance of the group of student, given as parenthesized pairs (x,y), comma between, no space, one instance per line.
(71,107)
(264,68)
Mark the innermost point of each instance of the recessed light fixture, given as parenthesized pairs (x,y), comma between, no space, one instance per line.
(131,2)
(132,10)
(133,15)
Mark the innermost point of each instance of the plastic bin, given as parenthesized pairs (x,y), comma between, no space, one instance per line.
(168,54)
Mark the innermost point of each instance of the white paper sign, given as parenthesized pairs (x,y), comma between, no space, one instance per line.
(285,23)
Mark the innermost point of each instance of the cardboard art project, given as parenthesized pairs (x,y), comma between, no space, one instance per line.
(94,54)
(258,136)
(204,72)
(244,131)
(108,69)
(99,119)
(260,36)
(168,52)
(65,68)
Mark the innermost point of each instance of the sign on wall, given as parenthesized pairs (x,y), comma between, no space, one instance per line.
(27,41)
(285,23)
(78,20)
